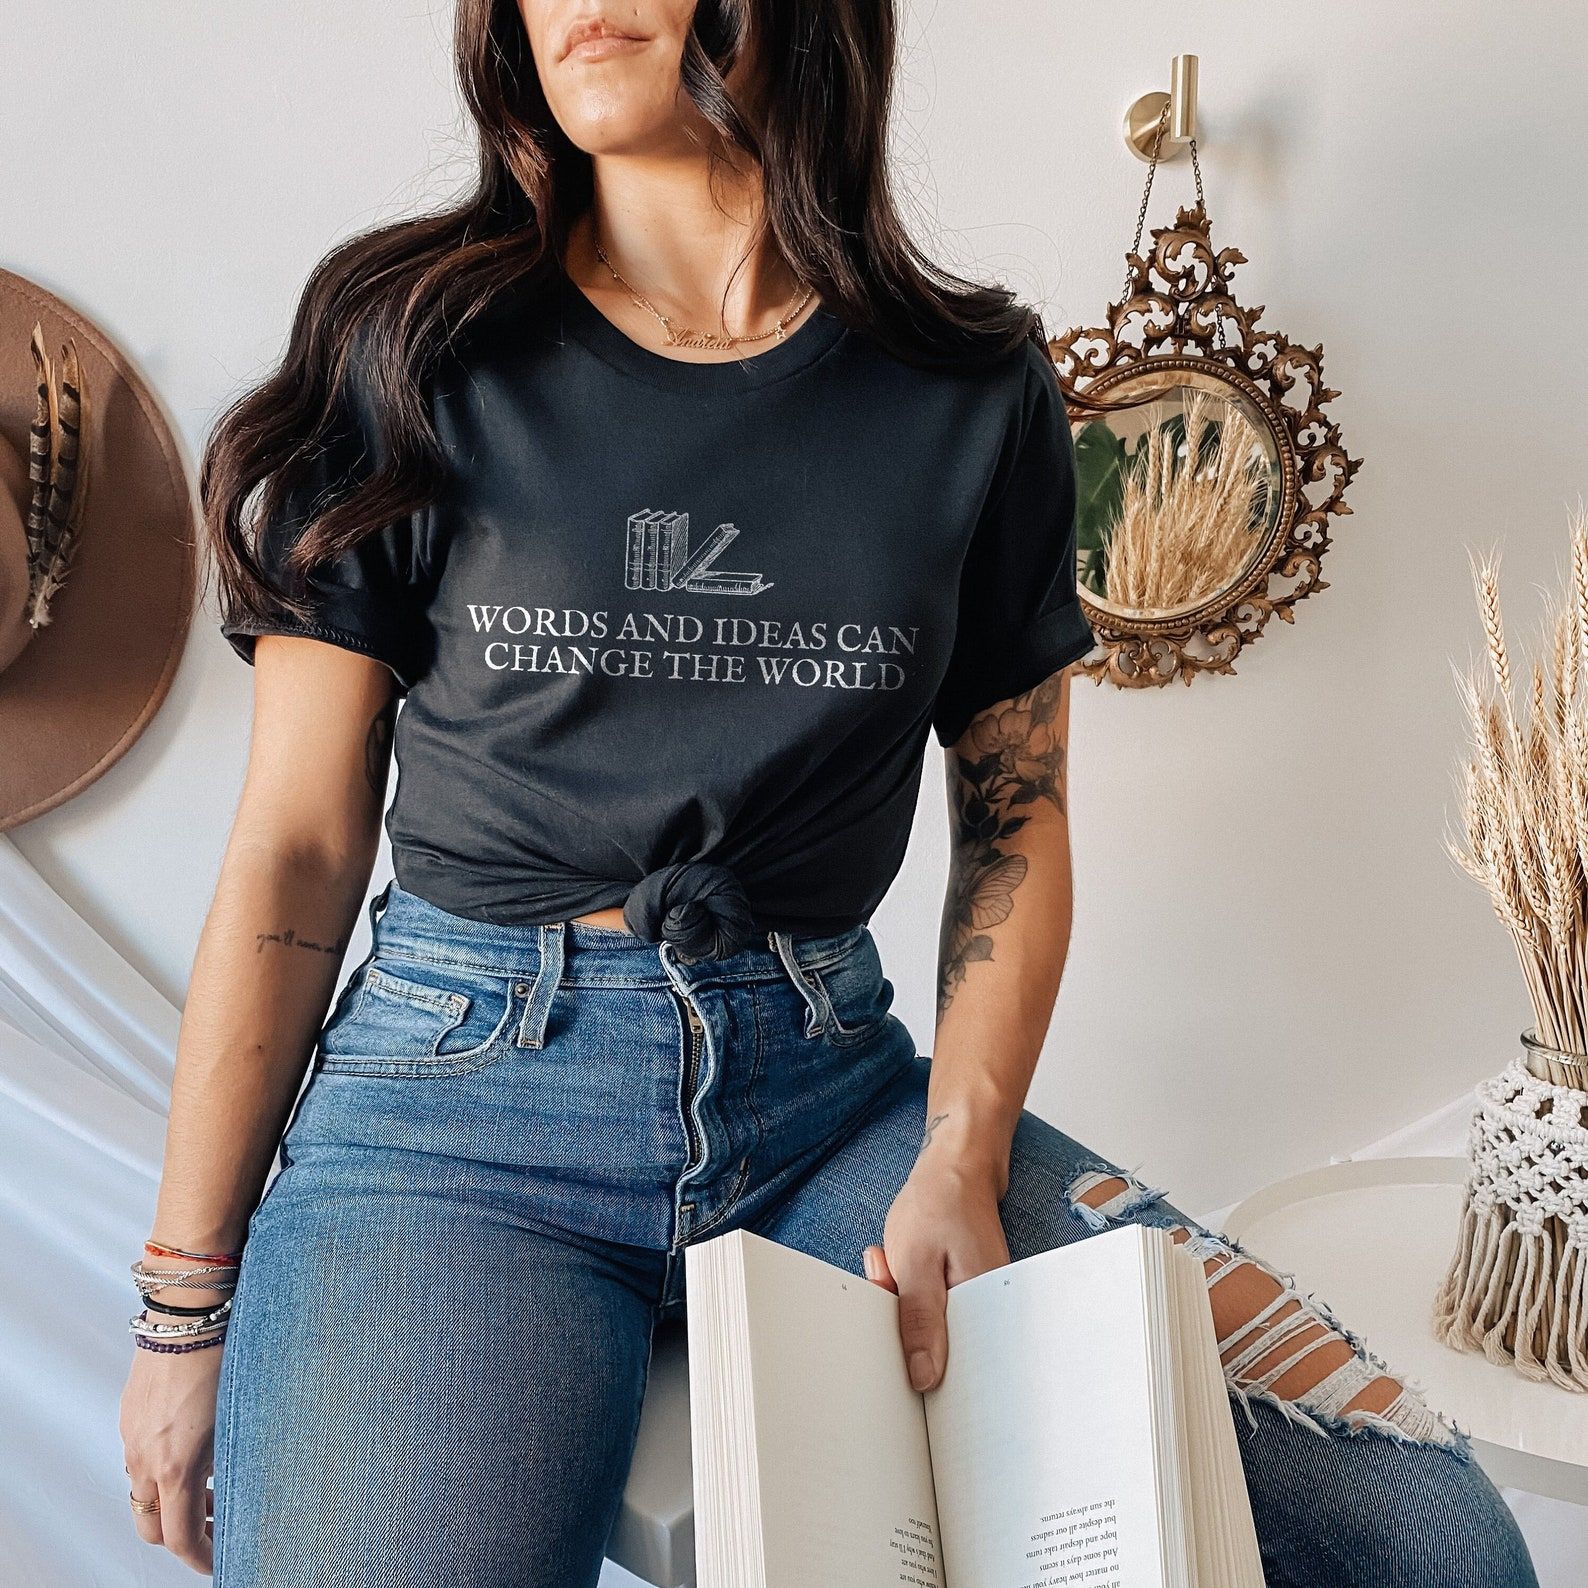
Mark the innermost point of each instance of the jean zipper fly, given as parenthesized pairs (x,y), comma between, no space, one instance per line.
(695,1147)
(697,1033)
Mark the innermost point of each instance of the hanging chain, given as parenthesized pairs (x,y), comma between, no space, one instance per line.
(1146,192)
(1146,196)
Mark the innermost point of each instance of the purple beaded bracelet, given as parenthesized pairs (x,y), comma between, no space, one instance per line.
(174,1346)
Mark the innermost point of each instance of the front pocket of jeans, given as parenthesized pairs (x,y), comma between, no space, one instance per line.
(425,1021)
(859,996)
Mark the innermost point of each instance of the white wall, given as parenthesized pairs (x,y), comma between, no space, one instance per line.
(1273,961)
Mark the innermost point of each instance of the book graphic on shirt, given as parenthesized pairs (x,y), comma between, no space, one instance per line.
(658,558)
(656,540)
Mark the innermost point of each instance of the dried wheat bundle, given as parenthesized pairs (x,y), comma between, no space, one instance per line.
(1188,508)
(1517,1288)
(1524,797)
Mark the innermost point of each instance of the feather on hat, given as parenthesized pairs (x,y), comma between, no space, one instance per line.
(96,552)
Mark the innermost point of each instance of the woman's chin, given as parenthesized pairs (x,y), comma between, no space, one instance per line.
(611,124)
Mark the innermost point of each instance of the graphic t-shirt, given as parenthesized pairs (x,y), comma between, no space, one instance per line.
(674,636)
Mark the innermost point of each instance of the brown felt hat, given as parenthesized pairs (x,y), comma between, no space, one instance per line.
(97,542)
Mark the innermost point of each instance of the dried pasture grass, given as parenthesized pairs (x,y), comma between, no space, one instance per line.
(1184,526)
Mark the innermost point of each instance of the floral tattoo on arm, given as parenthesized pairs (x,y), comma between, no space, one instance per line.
(1010,757)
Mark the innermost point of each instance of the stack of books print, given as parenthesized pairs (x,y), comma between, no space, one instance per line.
(658,558)
(1082,1436)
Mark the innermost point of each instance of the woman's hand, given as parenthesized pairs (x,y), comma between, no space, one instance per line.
(168,1432)
(942,1229)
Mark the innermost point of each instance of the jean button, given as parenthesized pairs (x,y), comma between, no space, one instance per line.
(521,989)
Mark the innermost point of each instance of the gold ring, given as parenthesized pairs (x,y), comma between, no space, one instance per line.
(143,1507)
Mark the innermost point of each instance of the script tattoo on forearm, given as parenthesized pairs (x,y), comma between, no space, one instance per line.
(377,747)
(931,1126)
(1015,759)
(288,938)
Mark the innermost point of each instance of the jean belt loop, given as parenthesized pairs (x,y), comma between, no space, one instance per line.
(532,1028)
(818,1010)
(376,908)
(377,904)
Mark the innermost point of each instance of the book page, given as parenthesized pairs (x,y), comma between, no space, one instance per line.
(846,1480)
(1042,1429)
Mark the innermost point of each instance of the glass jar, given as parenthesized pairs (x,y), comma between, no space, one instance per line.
(1553,1065)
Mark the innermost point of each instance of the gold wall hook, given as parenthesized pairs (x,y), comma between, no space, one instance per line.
(1141,120)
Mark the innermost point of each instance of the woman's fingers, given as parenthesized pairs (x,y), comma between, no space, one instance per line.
(875,1262)
(182,1523)
(147,1523)
(923,1325)
(923,1303)
(184,1514)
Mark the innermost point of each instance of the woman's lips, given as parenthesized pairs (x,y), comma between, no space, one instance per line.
(602,45)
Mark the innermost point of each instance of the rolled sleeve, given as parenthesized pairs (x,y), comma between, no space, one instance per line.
(372,598)
(1020,618)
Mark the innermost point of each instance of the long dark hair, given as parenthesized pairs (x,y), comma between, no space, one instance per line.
(401,294)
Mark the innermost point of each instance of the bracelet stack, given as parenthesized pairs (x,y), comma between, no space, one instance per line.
(165,1326)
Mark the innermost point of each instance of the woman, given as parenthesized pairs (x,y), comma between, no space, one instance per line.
(683,501)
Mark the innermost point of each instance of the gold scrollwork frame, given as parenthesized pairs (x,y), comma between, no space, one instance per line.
(1188,320)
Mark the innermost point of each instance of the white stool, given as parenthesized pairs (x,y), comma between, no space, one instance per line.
(654,1535)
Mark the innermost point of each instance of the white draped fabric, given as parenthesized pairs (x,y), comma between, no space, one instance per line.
(86,1054)
(86,1051)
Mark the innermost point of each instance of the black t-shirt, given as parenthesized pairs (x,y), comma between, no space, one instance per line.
(675,635)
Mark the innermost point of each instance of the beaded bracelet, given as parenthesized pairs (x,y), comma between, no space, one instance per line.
(186,1332)
(139,1323)
(174,1347)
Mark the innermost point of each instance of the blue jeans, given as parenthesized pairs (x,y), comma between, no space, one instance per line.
(442,1327)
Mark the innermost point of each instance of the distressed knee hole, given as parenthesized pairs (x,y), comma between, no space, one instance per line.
(1102,1199)
(1104,1188)
(1275,1344)
(1279,1343)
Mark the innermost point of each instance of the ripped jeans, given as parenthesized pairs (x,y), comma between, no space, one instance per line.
(442,1327)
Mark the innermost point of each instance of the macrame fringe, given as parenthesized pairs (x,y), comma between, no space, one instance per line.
(1519,1297)
(1517,1288)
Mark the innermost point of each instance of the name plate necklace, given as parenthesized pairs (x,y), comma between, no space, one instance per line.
(684,336)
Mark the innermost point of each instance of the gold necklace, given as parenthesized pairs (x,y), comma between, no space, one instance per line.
(683,336)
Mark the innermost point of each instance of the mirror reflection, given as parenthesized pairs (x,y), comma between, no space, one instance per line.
(1178,490)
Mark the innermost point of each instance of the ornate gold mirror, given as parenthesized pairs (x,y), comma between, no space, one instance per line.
(1206,470)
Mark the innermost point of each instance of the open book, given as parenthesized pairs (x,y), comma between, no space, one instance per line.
(1082,1434)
